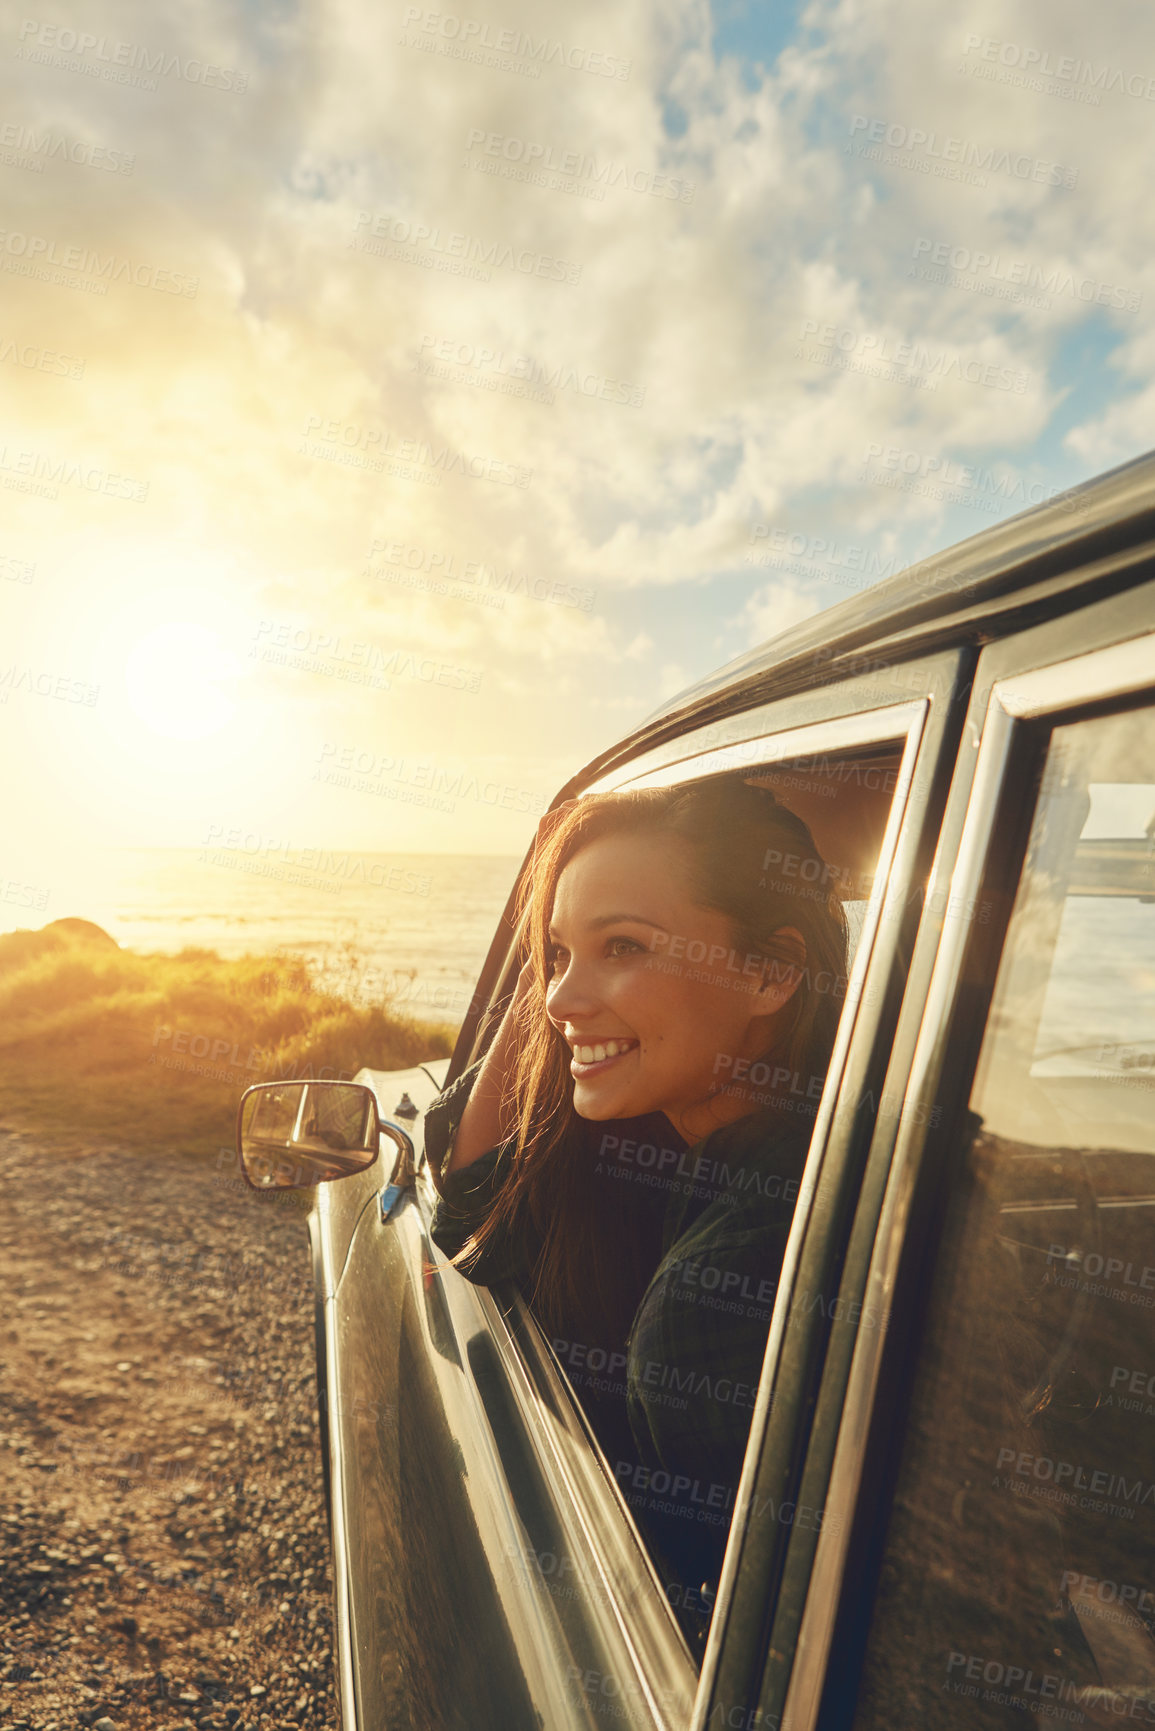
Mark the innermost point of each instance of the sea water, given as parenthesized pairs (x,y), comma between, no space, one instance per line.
(411,928)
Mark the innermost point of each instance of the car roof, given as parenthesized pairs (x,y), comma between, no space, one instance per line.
(1015,573)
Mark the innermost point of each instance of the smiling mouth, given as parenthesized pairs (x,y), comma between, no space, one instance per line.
(597,1055)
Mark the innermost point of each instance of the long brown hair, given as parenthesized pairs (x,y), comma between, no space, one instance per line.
(750,859)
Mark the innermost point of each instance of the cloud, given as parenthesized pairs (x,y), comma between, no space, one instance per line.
(478,296)
(776,609)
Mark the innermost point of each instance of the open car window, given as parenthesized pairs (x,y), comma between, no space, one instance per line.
(1018,1576)
(671,1410)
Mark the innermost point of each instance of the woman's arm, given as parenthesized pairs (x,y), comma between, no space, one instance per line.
(490,1115)
(476,1165)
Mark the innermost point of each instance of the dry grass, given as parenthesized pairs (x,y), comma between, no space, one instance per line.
(100,1045)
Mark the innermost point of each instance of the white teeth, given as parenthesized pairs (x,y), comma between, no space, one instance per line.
(599,1053)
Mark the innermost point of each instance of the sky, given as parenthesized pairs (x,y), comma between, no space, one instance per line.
(399,405)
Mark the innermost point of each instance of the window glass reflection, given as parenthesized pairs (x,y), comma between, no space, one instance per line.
(1019,1573)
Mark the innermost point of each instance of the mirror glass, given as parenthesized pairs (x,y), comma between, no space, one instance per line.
(293,1134)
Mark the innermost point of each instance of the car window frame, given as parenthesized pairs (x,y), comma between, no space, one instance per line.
(1025,686)
(915,701)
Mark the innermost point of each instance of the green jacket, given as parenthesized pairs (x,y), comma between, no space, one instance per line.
(675,1417)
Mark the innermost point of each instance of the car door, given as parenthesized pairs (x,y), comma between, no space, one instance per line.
(987,1457)
(491,1573)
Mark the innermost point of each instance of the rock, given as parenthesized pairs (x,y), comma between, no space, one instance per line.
(87,931)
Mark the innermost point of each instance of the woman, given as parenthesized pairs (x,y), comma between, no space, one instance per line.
(629,1149)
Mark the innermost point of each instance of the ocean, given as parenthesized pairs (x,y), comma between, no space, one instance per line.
(414,926)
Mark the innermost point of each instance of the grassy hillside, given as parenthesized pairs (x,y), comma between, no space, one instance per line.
(100,1045)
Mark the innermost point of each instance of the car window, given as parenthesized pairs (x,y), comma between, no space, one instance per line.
(672,1405)
(1018,1575)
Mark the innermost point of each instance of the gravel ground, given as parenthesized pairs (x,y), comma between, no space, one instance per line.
(164,1553)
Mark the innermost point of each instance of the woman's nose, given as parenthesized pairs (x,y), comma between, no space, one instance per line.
(570,996)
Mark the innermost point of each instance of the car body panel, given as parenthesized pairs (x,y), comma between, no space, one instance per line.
(466,1593)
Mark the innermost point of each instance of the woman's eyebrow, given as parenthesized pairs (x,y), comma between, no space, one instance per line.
(613,920)
(637,919)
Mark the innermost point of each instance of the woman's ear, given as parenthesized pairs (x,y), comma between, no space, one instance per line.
(782,973)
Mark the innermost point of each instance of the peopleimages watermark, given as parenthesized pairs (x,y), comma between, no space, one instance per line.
(22,895)
(936,476)
(1105,1276)
(559,1574)
(436,997)
(25,147)
(218,1049)
(1090,1587)
(49,259)
(509,50)
(1015,280)
(897,679)
(1016,1686)
(357,660)
(453,251)
(1132,1390)
(419,781)
(678,1489)
(895,145)
(535,163)
(35,472)
(16,570)
(41,683)
(1079,79)
(38,359)
(680,963)
(1103,1491)
(915,363)
(831,561)
(248,850)
(1127,1066)
(432,571)
(1126,1056)
(354,445)
(518,375)
(118,62)
(679,1168)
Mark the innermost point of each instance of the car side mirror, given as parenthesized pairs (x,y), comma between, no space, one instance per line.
(291,1135)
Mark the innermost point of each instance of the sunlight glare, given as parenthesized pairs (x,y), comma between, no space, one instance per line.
(173,680)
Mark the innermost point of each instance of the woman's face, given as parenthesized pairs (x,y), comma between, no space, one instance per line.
(648,990)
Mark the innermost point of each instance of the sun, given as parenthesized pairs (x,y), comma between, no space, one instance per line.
(173,677)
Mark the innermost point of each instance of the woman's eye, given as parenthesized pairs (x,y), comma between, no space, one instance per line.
(556,961)
(623,946)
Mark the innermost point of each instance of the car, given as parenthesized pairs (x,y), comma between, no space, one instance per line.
(946,1516)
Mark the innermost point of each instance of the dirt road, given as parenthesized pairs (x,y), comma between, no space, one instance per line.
(164,1553)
